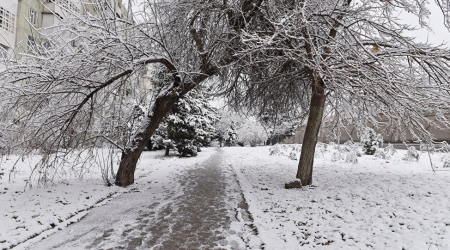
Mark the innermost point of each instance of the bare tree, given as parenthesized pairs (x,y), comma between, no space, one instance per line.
(445,8)
(348,58)
(70,93)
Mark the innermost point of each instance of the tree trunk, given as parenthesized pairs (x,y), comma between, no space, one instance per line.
(167,151)
(163,103)
(305,165)
(132,152)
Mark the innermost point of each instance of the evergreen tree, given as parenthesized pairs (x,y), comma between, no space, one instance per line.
(371,141)
(190,123)
(187,127)
(231,135)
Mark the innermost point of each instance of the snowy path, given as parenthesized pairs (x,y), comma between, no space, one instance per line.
(197,206)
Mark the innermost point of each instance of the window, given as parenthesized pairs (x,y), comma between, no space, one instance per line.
(33,17)
(7,20)
(68,4)
(31,43)
(3,52)
(47,45)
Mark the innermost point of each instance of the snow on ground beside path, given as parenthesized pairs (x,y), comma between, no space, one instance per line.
(374,204)
(39,211)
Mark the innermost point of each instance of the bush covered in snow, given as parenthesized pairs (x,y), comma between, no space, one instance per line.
(444,147)
(446,163)
(321,149)
(351,158)
(411,154)
(227,125)
(427,147)
(230,137)
(290,151)
(382,155)
(371,141)
(293,156)
(390,150)
(350,146)
(274,150)
(336,156)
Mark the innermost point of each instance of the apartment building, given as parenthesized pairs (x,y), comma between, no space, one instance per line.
(20,18)
(8,17)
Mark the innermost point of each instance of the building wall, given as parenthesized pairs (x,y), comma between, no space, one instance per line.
(8,16)
(352,133)
(49,13)
(24,31)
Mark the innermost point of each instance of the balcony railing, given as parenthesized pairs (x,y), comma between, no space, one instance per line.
(57,6)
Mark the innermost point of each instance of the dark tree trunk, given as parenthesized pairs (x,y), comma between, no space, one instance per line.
(167,151)
(130,157)
(162,105)
(149,145)
(132,152)
(305,165)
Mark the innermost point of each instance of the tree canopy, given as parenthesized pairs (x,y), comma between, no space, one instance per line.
(348,59)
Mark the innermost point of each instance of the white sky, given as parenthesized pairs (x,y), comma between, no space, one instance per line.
(439,32)
(438,35)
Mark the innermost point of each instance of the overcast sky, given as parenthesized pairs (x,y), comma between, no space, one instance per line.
(439,33)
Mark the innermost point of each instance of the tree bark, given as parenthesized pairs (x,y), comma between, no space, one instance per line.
(167,151)
(305,165)
(162,105)
(132,152)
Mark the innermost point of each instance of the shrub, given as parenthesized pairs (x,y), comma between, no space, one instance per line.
(382,155)
(293,156)
(427,147)
(274,150)
(321,148)
(187,148)
(336,156)
(390,150)
(446,163)
(350,146)
(371,141)
(351,158)
(411,155)
(444,148)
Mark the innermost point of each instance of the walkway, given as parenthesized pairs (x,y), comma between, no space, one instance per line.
(194,207)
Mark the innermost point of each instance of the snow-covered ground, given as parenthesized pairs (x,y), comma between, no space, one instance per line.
(374,204)
(41,210)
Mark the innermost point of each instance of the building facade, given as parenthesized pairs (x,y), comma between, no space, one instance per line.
(351,134)
(8,18)
(20,18)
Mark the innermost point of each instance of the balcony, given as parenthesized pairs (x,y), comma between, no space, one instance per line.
(59,7)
